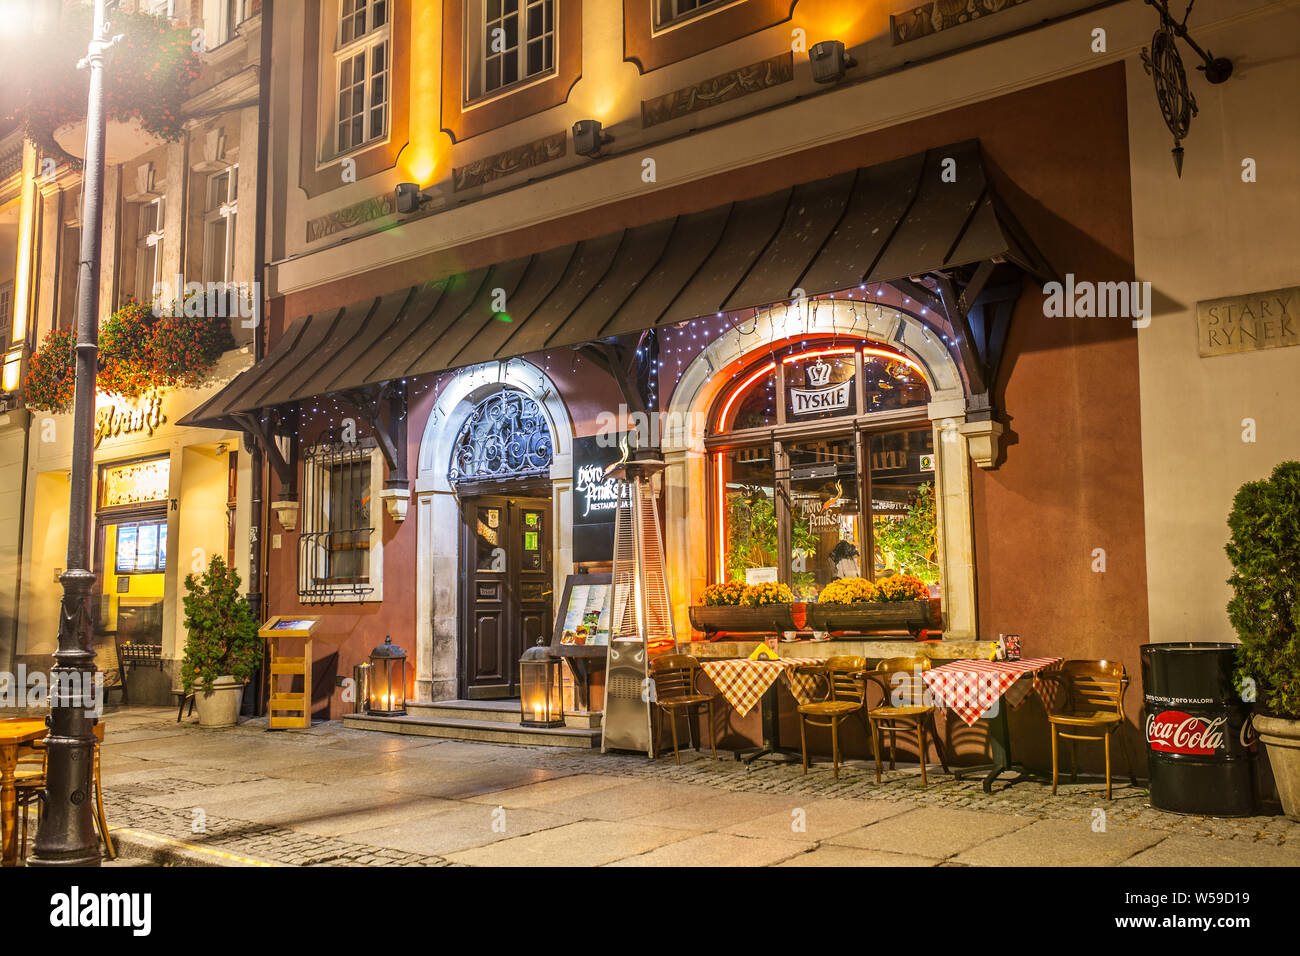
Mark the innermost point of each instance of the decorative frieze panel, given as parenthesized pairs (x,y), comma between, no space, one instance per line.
(375,207)
(928,18)
(722,88)
(511,161)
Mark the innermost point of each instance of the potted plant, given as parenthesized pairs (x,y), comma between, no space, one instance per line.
(856,604)
(1264,548)
(221,644)
(745,609)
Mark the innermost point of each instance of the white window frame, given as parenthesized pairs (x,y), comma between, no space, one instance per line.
(669,13)
(162,8)
(221,20)
(221,208)
(150,243)
(342,593)
(362,44)
(478,42)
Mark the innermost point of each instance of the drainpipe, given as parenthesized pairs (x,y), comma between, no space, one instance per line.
(257,523)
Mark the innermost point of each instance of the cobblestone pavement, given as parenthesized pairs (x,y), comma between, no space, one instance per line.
(331,796)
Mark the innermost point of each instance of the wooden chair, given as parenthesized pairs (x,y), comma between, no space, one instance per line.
(845,695)
(910,715)
(1094,702)
(677,692)
(30,784)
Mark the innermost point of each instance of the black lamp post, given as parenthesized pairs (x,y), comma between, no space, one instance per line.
(66,836)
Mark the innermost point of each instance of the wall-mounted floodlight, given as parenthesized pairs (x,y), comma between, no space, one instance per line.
(829,61)
(588,137)
(410,197)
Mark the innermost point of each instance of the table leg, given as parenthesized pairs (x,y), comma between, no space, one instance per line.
(771,731)
(8,805)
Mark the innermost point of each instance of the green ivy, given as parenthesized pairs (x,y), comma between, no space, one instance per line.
(221,635)
(910,544)
(1264,548)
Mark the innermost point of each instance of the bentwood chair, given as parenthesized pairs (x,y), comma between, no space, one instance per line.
(676,683)
(101,820)
(1094,710)
(903,710)
(844,696)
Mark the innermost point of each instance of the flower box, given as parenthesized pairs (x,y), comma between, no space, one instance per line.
(743,619)
(912,616)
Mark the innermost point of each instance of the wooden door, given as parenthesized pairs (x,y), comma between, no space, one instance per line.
(506,567)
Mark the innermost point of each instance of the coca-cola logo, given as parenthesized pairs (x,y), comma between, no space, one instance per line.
(1174,732)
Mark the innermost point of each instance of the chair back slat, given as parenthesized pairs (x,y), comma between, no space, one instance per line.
(908,692)
(1096,685)
(674,675)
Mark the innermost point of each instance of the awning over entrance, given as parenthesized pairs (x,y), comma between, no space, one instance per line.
(905,218)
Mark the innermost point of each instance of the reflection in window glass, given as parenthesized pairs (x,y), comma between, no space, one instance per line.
(823,515)
(748,508)
(902,504)
(892,382)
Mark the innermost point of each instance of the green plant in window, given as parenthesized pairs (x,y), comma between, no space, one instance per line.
(751,531)
(909,544)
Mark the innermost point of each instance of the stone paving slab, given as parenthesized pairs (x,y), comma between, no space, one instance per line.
(718,849)
(460,829)
(585,843)
(547,792)
(934,832)
(1180,850)
(1061,843)
(714,811)
(832,855)
(811,821)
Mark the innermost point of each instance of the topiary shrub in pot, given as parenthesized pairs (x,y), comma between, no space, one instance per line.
(1264,548)
(221,645)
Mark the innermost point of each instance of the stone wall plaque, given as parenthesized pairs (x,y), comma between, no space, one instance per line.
(1246,323)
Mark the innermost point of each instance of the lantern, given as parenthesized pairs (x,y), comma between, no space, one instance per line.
(541,698)
(388,680)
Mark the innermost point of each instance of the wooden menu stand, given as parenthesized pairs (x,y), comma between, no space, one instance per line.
(287,706)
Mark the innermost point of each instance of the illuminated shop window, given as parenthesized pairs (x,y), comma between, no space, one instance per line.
(822,465)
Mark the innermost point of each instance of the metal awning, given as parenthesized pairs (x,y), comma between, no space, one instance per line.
(879,223)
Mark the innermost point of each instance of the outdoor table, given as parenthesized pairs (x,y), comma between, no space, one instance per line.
(972,688)
(744,682)
(13,733)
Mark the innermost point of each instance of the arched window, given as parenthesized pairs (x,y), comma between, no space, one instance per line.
(505,436)
(822,465)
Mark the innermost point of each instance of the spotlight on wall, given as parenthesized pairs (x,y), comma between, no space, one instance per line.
(588,137)
(829,61)
(410,197)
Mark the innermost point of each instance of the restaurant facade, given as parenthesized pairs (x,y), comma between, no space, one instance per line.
(837,311)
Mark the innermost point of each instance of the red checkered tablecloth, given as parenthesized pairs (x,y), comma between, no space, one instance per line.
(970,688)
(743,681)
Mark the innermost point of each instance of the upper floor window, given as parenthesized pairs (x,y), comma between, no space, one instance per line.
(6,310)
(361,69)
(219,226)
(149,247)
(669,11)
(161,8)
(507,42)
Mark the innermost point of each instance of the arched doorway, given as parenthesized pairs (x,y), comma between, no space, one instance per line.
(500,467)
(452,471)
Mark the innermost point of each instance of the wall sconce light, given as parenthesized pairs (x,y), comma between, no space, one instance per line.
(588,137)
(410,197)
(829,61)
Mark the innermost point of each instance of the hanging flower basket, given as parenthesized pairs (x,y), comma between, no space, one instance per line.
(139,354)
(150,70)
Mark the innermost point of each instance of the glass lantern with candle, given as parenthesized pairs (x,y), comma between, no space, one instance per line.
(388,680)
(541,697)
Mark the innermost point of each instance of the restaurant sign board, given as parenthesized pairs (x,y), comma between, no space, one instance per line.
(1246,323)
(595,499)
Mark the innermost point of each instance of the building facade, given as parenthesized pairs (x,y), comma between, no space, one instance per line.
(167,499)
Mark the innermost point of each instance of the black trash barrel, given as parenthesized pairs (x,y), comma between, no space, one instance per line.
(1200,744)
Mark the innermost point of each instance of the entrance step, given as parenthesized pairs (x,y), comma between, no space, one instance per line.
(502,711)
(489,731)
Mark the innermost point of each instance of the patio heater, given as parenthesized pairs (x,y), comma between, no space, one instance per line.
(641,624)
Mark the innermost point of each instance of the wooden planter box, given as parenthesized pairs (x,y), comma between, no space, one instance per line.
(743,619)
(872,616)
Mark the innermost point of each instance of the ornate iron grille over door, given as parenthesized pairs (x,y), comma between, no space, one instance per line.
(506,436)
(334,545)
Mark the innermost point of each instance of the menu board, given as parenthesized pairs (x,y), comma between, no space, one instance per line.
(582,620)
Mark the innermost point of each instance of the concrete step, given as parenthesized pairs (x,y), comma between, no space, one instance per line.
(502,711)
(490,731)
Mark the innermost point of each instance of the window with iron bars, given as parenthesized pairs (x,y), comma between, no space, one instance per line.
(337,548)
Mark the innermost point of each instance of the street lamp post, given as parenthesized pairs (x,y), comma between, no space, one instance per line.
(66,836)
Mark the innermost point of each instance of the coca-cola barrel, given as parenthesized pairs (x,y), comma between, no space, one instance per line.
(1200,743)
